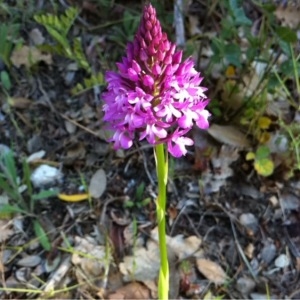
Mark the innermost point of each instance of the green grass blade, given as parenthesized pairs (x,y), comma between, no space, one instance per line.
(41,235)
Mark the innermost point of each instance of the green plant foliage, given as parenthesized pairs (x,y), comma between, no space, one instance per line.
(263,163)
(139,201)
(5,80)
(22,202)
(58,28)
(8,33)
(41,235)
(286,34)
(88,84)
(239,14)
(122,34)
(293,131)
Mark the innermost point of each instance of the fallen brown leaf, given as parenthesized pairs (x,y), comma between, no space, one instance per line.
(98,184)
(133,290)
(289,16)
(211,270)
(29,56)
(5,230)
(229,135)
(19,102)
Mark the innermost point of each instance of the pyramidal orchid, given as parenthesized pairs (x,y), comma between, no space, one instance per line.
(156,96)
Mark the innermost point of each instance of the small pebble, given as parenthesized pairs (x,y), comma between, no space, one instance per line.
(282,261)
(29,261)
(249,221)
(289,202)
(268,253)
(257,296)
(245,285)
(4,149)
(45,175)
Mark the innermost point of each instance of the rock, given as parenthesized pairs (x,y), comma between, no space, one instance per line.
(289,202)
(257,296)
(249,221)
(29,261)
(245,285)
(4,149)
(282,261)
(45,175)
(34,144)
(268,253)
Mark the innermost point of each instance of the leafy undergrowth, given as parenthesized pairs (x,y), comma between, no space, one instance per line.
(78,218)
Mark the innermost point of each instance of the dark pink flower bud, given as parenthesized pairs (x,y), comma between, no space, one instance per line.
(148,80)
(172,49)
(148,25)
(160,55)
(156,69)
(166,45)
(121,67)
(151,10)
(177,57)
(143,43)
(154,31)
(153,19)
(151,49)
(143,55)
(148,37)
(133,75)
(168,70)
(136,66)
(168,60)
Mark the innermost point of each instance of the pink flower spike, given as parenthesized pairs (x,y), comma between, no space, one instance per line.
(154,94)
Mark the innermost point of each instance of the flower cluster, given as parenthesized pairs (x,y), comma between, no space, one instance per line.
(154,93)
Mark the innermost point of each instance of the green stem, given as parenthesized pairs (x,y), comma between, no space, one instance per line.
(162,176)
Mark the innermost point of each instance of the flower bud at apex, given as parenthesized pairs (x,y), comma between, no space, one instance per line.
(151,10)
(154,94)
(148,25)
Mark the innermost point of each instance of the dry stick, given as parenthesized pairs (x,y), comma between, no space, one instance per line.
(79,125)
(239,247)
(58,275)
(47,99)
